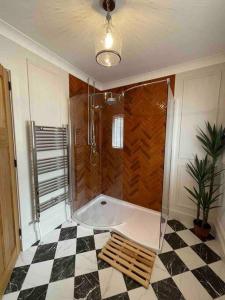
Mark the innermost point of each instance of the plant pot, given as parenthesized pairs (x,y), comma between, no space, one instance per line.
(201,231)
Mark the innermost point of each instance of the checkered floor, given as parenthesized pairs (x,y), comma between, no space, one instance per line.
(65,267)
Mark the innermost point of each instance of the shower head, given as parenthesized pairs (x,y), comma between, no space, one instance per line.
(111,100)
(99,100)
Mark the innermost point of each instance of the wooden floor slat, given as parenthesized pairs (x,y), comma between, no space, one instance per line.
(151,258)
(131,254)
(129,258)
(134,245)
(132,260)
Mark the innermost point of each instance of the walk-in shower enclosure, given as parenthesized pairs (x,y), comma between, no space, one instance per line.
(121,153)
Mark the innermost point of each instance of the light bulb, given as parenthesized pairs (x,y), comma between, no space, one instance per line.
(108,40)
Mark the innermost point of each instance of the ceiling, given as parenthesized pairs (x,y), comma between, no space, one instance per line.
(156,33)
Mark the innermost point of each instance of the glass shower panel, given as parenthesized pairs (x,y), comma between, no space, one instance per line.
(112,149)
(85,177)
(167,164)
(98,132)
(145,107)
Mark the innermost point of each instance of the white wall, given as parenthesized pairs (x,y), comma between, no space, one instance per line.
(40,92)
(199,97)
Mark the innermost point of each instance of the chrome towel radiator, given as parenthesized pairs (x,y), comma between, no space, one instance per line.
(49,155)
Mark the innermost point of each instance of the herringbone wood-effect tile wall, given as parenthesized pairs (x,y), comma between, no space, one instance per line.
(135,174)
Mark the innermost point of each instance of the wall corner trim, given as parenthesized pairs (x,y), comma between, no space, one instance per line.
(13,34)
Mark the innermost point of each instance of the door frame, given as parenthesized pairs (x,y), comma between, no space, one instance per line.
(14,179)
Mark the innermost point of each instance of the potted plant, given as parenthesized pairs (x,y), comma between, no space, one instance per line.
(199,171)
(205,193)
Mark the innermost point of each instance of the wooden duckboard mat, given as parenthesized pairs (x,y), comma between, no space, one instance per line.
(129,258)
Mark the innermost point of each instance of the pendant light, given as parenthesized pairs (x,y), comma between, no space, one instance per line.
(108,41)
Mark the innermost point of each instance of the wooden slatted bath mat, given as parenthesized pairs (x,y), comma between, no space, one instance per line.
(129,258)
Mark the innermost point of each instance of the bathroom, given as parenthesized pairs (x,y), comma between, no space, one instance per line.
(100,144)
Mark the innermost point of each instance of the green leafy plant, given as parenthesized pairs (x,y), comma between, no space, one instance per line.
(199,171)
(205,193)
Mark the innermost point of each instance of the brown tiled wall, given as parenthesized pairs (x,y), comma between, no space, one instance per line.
(135,173)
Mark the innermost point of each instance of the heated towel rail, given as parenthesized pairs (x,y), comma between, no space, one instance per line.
(49,153)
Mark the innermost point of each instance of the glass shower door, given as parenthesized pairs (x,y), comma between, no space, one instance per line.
(167,165)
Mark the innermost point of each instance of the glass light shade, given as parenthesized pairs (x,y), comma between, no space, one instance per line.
(108,46)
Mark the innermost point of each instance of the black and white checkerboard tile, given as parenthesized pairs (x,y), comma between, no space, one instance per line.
(65,266)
